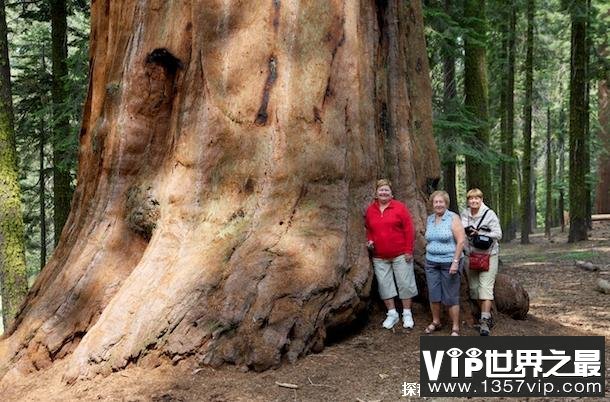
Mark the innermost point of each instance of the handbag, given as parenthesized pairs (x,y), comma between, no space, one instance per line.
(482,242)
(478,261)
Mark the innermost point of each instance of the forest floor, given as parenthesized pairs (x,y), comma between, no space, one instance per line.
(372,364)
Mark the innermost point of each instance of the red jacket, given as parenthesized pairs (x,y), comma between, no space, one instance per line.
(392,232)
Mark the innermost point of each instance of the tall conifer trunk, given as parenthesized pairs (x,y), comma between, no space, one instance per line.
(13,277)
(478,173)
(62,186)
(526,188)
(578,114)
(449,98)
(548,215)
(507,108)
(602,201)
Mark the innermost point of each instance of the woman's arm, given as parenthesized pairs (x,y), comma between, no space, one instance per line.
(369,231)
(460,240)
(494,225)
(409,228)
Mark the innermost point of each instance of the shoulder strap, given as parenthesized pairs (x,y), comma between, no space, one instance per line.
(481,221)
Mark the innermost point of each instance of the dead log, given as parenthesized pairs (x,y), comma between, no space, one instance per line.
(511,298)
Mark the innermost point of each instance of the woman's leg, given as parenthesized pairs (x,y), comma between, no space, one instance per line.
(454,313)
(436,312)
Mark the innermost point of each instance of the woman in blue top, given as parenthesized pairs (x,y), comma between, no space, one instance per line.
(445,241)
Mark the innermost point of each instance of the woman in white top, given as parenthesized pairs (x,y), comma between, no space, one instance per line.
(478,215)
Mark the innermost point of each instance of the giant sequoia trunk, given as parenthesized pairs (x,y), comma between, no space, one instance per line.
(227,152)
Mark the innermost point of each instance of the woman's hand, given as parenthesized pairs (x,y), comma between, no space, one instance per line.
(454,268)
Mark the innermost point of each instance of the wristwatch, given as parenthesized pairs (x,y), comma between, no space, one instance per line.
(456,261)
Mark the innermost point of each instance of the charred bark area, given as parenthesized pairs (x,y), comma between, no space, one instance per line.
(261,116)
(214,222)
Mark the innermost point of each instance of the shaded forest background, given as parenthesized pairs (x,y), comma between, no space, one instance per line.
(506,116)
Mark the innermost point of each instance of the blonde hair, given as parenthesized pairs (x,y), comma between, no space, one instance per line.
(440,193)
(383,182)
(475,192)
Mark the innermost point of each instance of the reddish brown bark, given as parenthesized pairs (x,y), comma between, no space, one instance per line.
(226,155)
(602,193)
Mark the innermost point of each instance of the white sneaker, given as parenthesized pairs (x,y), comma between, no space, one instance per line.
(407,320)
(390,320)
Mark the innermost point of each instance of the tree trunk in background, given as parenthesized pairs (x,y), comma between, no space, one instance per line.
(602,201)
(578,113)
(62,186)
(475,89)
(507,107)
(449,98)
(13,276)
(510,126)
(587,160)
(42,197)
(561,170)
(548,214)
(227,153)
(526,192)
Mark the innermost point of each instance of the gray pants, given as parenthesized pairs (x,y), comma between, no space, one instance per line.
(397,269)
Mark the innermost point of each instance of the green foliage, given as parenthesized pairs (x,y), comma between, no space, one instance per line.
(30,41)
(454,125)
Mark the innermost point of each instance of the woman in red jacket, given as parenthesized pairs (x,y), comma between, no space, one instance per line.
(391,236)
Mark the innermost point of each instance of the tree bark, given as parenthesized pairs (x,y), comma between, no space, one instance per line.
(561,170)
(507,106)
(449,99)
(526,188)
(602,201)
(13,277)
(62,180)
(548,214)
(476,94)
(578,170)
(226,155)
(42,196)
(587,160)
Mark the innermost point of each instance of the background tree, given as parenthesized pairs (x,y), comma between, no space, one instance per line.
(578,113)
(476,92)
(450,107)
(62,179)
(602,205)
(526,189)
(548,216)
(507,107)
(31,45)
(272,138)
(13,279)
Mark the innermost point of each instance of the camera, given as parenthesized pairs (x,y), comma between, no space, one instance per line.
(469,230)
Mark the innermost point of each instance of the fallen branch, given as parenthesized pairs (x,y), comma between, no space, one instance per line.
(286,385)
(319,385)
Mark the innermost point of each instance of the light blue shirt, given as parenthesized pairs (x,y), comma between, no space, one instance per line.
(441,243)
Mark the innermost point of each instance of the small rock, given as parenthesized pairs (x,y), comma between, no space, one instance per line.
(587,266)
(603,286)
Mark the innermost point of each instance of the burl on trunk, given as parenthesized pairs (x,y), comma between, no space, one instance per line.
(227,153)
